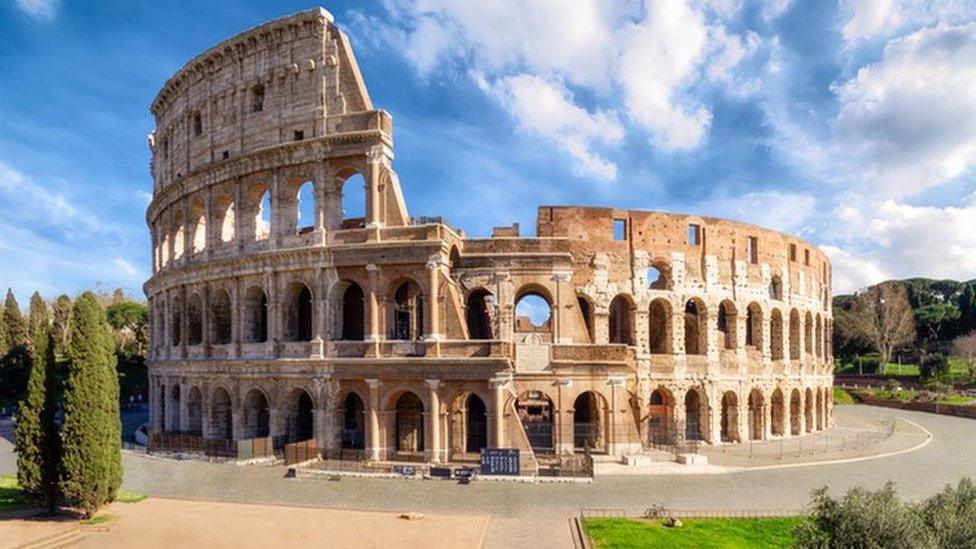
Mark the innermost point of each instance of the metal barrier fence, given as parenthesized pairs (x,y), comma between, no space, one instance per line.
(930,407)
(211,447)
(658,510)
(818,443)
(298,452)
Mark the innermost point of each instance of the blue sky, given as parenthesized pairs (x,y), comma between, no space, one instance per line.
(849,123)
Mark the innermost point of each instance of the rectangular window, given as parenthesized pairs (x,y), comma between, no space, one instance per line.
(806,256)
(257,99)
(694,234)
(792,252)
(620,229)
(299,135)
(166,149)
(753,249)
(197,124)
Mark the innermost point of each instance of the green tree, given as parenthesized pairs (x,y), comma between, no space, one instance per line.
(3,338)
(14,363)
(933,318)
(951,515)
(38,318)
(130,322)
(62,323)
(13,319)
(38,441)
(92,432)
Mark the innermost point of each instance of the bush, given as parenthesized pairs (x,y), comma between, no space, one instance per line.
(935,366)
(892,385)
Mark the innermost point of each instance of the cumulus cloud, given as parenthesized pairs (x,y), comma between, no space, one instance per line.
(39,9)
(908,121)
(865,19)
(784,211)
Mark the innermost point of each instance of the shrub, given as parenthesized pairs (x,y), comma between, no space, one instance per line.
(935,366)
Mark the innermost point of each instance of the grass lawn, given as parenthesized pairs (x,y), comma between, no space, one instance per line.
(708,533)
(10,496)
(841,396)
(956,399)
(129,497)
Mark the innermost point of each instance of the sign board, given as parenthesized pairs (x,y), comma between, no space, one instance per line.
(440,472)
(405,470)
(500,461)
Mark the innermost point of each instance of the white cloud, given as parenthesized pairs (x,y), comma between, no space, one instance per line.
(789,212)
(775,8)
(40,9)
(867,19)
(908,122)
(852,272)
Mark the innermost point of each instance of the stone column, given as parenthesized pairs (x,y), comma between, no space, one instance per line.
(563,436)
(373,445)
(433,303)
(274,239)
(376,159)
(498,412)
(372,305)
(205,319)
(168,411)
(787,414)
(767,415)
(184,321)
(612,424)
(154,405)
(274,422)
(435,452)
(714,416)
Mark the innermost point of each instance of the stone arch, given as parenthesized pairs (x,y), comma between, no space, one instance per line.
(406,314)
(660,416)
(777,412)
(352,311)
(305,208)
(754,326)
(194,319)
(179,240)
(164,251)
(795,417)
(622,320)
(221,318)
(820,408)
(299,316)
(696,327)
(175,393)
(730,417)
(257,414)
(757,415)
(533,301)
(589,421)
(586,307)
(660,327)
(198,226)
(226,218)
(808,333)
(194,411)
(727,324)
(299,416)
(469,420)
(353,418)
(409,423)
(255,315)
(794,334)
(478,314)
(536,413)
(776,288)
(658,275)
(808,415)
(352,198)
(820,338)
(776,335)
(176,321)
(696,414)
(221,415)
(259,214)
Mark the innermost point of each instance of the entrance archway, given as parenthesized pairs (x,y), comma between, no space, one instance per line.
(476,424)
(695,416)
(795,419)
(256,415)
(535,411)
(194,412)
(588,422)
(409,424)
(730,417)
(299,417)
(353,423)
(221,418)
(757,419)
(777,413)
(659,421)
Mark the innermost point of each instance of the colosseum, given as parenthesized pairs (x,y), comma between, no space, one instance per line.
(294,297)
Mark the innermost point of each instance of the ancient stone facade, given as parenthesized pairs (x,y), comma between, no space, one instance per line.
(276,310)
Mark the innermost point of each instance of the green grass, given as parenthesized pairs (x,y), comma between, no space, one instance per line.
(10,496)
(903,395)
(955,399)
(841,396)
(129,497)
(711,533)
(97,519)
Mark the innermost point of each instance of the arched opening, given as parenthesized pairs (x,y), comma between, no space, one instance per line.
(194,320)
(455,257)
(795,419)
(409,423)
(776,288)
(696,341)
(776,331)
(305,209)
(730,417)
(353,201)
(532,313)
(194,412)
(476,424)
(727,325)
(198,226)
(175,419)
(621,320)
(659,417)
(778,413)
(535,411)
(588,422)
(353,423)
(819,339)
(808,410)
(164,249)
(586,312)
(408,312)
(259,206)
(298,319)
(226,217)
(178,235)
(176,322)
(757,418)
(808,334)
(754,326)
(256,415)
(353,313)
(299,417)
(162,407)
(255,315)
(221,318)
(696,416)
(481,306)
(657,276)
(221,418)
(794,335)
(821,409)
(659,327)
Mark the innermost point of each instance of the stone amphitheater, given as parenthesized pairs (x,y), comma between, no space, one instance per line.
(294,297)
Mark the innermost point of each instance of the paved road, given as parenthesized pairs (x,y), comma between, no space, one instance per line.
(538,515)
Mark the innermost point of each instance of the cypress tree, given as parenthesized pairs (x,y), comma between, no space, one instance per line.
(37,318)
(62,323)
(13,319)
(15,361)
(92,432)
(37,438)
(3,338)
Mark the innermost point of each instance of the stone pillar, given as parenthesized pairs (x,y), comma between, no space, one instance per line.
(559,331)
(184,321)
(205,319)
(562,436)
(803,412)
(787,414)
(714,416)
(767,416)
(498,412)
(373,332)
(274,422)
(373,442)
(154,405)
(236,317)
(614,442)
(168,411)
(433,305)
(184,408)
(237,418)
(376,159)
(435,451)
(274,239)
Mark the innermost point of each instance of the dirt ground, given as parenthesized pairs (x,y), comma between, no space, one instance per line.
(174,523)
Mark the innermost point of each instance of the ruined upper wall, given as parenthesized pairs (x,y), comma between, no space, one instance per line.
(291,79)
